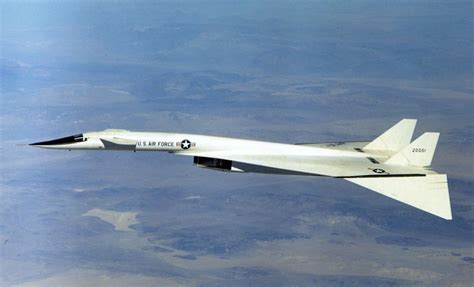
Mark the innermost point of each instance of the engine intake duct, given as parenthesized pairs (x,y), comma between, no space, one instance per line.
(215,163)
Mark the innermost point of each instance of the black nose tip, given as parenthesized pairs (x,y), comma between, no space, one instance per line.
(42,143)
(61,141)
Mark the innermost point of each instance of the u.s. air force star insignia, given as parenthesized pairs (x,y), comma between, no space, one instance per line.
(378,170)
(185,144)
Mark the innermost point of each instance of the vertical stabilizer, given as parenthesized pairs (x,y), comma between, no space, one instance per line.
(418,153)
(394,139)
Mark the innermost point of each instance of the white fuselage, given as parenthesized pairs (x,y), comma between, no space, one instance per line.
(183,143)
(244,155)
(390,164)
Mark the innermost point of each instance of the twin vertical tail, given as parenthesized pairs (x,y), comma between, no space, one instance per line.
(394,139)
(418,153)
(430,192)
(396,142)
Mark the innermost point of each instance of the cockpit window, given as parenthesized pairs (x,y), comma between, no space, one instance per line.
(78,138)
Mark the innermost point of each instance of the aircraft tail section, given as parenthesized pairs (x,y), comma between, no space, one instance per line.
(418,153)
(394,139)
(429,193)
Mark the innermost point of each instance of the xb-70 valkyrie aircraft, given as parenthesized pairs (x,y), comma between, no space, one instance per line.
(389,165)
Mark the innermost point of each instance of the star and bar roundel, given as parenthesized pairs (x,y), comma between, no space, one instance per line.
(186,144)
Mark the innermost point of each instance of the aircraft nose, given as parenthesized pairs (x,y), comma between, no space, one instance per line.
(60,141)
(44,143)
